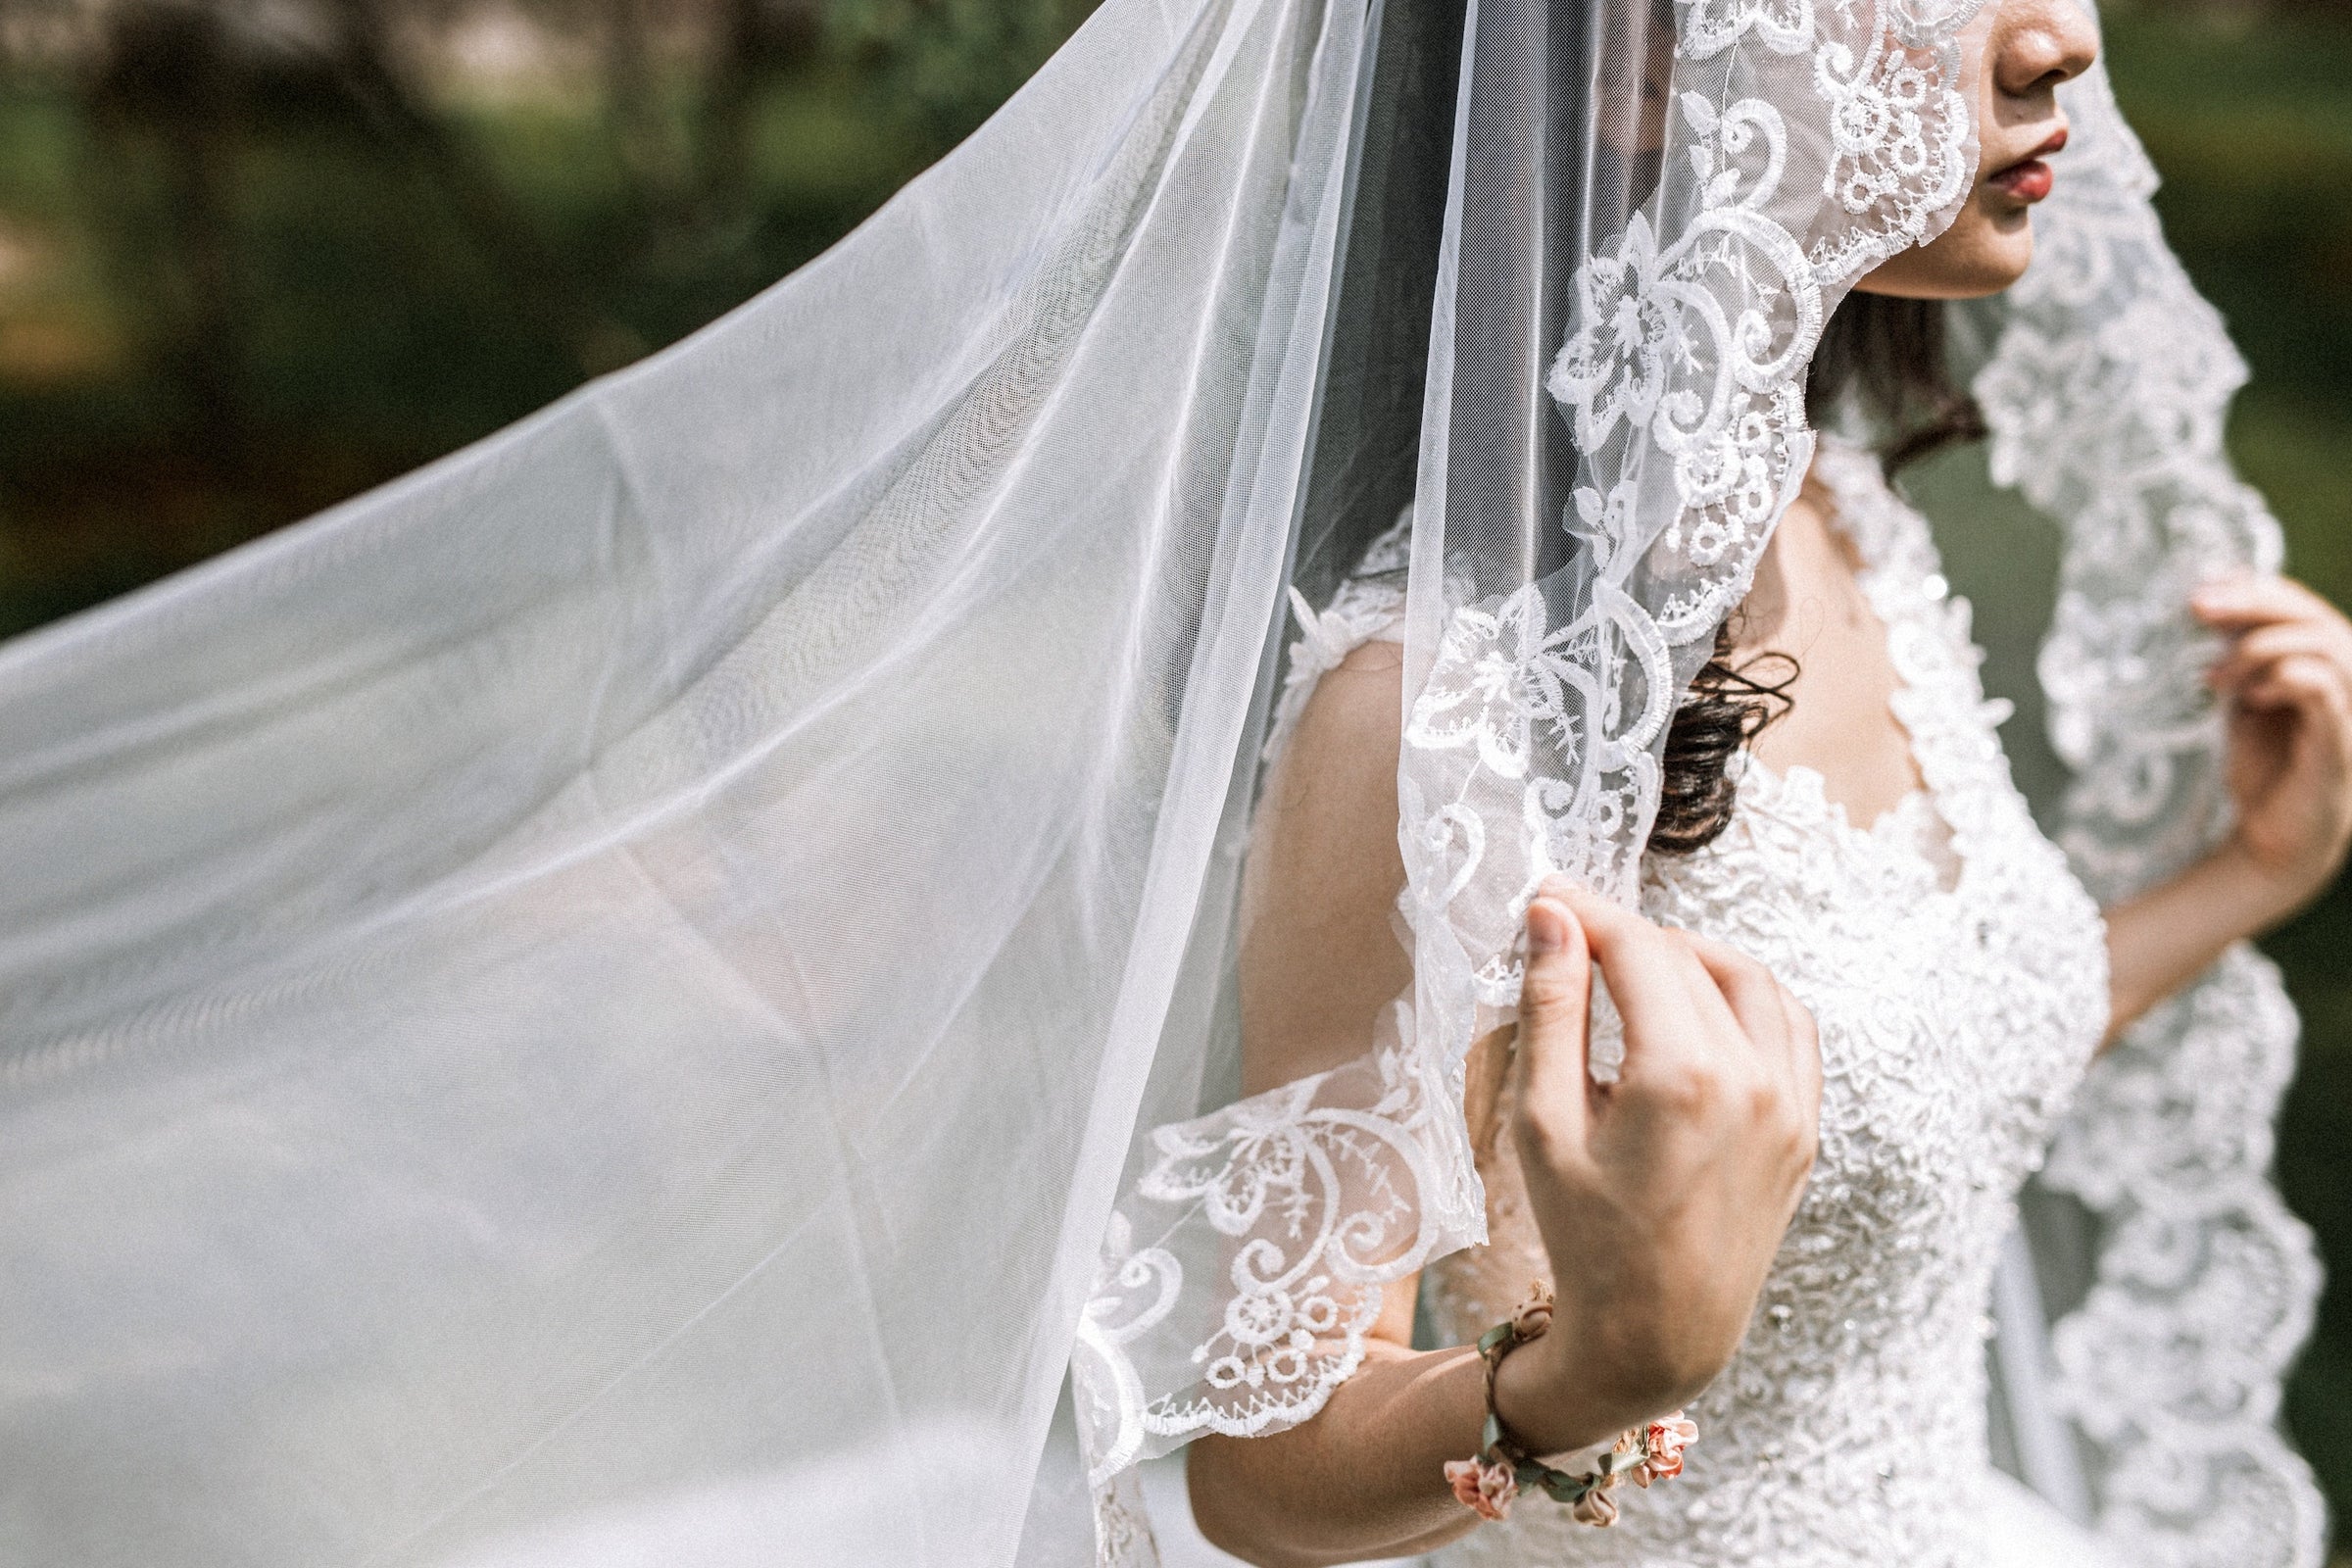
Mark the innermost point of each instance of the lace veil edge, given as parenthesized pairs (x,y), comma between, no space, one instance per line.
(2106,390)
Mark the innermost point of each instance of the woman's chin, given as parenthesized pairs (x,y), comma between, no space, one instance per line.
(1980,255)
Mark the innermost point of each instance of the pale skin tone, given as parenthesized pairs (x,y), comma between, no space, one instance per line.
(1673,1187)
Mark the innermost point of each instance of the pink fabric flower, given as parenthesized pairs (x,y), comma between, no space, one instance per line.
(1596,1508)
(1667,1437)
(1487,1488)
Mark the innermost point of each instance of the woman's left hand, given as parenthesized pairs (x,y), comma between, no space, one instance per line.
(2288,679)
(2286,676)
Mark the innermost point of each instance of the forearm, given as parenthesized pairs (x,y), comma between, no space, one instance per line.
(1365,1477)
(2165,938)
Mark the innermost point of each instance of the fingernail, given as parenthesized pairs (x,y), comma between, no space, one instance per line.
(1546,927)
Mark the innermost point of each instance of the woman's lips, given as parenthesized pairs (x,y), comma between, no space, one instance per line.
(2029,179)
(2029,182)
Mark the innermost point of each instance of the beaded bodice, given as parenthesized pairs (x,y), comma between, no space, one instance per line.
(1958,973)
(1959,976)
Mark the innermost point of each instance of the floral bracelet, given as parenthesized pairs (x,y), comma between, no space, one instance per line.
(1490,1482)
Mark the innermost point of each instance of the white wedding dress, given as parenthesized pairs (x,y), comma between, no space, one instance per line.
(1958,971)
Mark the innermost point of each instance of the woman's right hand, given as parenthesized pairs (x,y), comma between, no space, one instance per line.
(1662,1197)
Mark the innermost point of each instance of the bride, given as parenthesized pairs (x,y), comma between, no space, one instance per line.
(719,978)
(1847,822)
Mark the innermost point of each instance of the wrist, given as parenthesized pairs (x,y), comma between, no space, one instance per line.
(1530,1449)
(2255,895)
(1555,1400)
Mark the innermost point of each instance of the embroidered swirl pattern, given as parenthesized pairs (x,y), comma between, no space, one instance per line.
(1245,1268)
(2106,394)
(1528,750)
(1958,975)
(1306,1200)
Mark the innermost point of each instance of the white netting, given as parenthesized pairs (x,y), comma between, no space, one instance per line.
(2106,390)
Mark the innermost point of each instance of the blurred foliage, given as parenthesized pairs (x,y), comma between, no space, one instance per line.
(246,273)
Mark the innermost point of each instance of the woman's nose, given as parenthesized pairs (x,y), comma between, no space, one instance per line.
(2042,43)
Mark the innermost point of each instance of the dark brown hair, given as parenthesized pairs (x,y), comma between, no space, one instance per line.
(1891,356)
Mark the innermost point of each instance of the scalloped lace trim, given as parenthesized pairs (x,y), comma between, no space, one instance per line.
(1957,972)
(2106,394)
(1244,1271)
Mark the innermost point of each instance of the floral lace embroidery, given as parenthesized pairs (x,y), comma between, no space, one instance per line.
(1123,1535)
(1683,376)
(1959,1000)
(1236,1295)
(2106,394)
(2204,1283)
(1308,1199)
(1893,107)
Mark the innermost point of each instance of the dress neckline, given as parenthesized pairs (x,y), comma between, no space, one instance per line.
(1901,581)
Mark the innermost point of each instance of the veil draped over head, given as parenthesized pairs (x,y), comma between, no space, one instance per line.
(648,994)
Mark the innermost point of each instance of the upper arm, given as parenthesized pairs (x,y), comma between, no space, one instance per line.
(1320,955)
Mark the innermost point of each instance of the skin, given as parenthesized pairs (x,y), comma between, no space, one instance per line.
(2287,680)
(2287,672)
(1673,1188)
(1678,1181)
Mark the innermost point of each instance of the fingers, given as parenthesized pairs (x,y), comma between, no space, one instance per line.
(1642,965)
(2293,655)
(1556,999)
(2299,679)
(1804,1058)
(2265,646)
(1719,1058)
(2304,682)
(1780,1026)
(2240,603)
(1667,1000)
(1755,997)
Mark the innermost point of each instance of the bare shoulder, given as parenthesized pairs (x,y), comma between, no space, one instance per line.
(1320,956)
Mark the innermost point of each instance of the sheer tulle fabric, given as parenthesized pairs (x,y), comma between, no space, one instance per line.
(586,1007)
(2183,1286)
(595,1006)
(1651,210)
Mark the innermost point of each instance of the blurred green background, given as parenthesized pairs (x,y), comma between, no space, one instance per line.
(257,256)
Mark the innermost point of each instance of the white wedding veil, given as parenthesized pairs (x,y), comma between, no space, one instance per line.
(2179,1285)
(650,993)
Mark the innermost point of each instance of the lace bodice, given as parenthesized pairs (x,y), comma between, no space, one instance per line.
(1958,973)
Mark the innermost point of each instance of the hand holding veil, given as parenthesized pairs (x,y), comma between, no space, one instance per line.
(594,1005)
